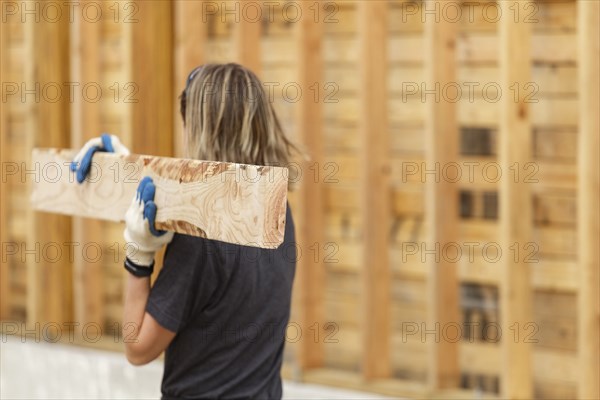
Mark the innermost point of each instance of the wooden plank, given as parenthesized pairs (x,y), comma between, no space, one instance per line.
(247,38)
(85,124)
(234,203)
(311,273)
(4,115)
(189,48)
(484,16)
(404,200)
(552,390)
(555,365)
(374,180)
(557,275)
(555,144)
(477,173)
(441,199)
(480,48)
(546,113)
(52,293)
(151,38)
(551,79)
(589,199)
(481,357)
(150,118)
(33,307)
(515,203)
(546,273)
(555,319)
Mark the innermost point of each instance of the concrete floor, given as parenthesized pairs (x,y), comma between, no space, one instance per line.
(54,371)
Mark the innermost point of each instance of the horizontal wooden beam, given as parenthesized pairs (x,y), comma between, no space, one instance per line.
(234,203)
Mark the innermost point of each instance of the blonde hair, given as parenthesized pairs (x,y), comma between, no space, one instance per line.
(228,117)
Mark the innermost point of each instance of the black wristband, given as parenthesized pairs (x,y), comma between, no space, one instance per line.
(138,270)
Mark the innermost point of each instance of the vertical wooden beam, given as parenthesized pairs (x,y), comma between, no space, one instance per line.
(310,274)
(52,292)
(151,121)
(88,277)
(34,312)
(190,42)
(375,186)
(515,201)
(247,36)
(441,202)
(152,72)
(4,271)
(588,214)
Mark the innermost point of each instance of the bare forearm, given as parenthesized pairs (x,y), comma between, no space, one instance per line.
(136,297)
(144,338)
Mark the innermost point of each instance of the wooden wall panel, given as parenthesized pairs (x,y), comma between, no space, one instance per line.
(561,146)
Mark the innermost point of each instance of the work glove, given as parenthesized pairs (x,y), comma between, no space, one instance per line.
(82,162)
(143,240)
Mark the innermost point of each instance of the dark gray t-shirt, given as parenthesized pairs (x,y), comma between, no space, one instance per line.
(229,306)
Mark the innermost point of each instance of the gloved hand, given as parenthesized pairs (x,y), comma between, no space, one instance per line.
(108,143)
(143,240)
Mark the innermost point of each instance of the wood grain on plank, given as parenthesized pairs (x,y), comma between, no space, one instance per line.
(235,203)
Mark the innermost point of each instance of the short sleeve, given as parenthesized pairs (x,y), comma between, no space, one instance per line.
(185,283)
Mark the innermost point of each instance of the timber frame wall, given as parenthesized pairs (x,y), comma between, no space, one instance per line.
(362,301)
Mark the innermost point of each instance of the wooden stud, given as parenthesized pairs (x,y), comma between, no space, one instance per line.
(515,137)
(247,35)
(34,312)
(441,200)
(88,290)
(152,116)
(588,200)
(4,237)
(51,294)
(311,274)
(235,203)
(375,187)
(190,42)
(151,119)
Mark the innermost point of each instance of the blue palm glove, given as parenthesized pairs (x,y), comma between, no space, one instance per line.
(82,162)
(141,235)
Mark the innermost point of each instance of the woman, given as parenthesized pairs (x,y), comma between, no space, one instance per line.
(219,310)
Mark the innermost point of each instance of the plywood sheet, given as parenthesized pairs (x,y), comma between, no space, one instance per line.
(235,203)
